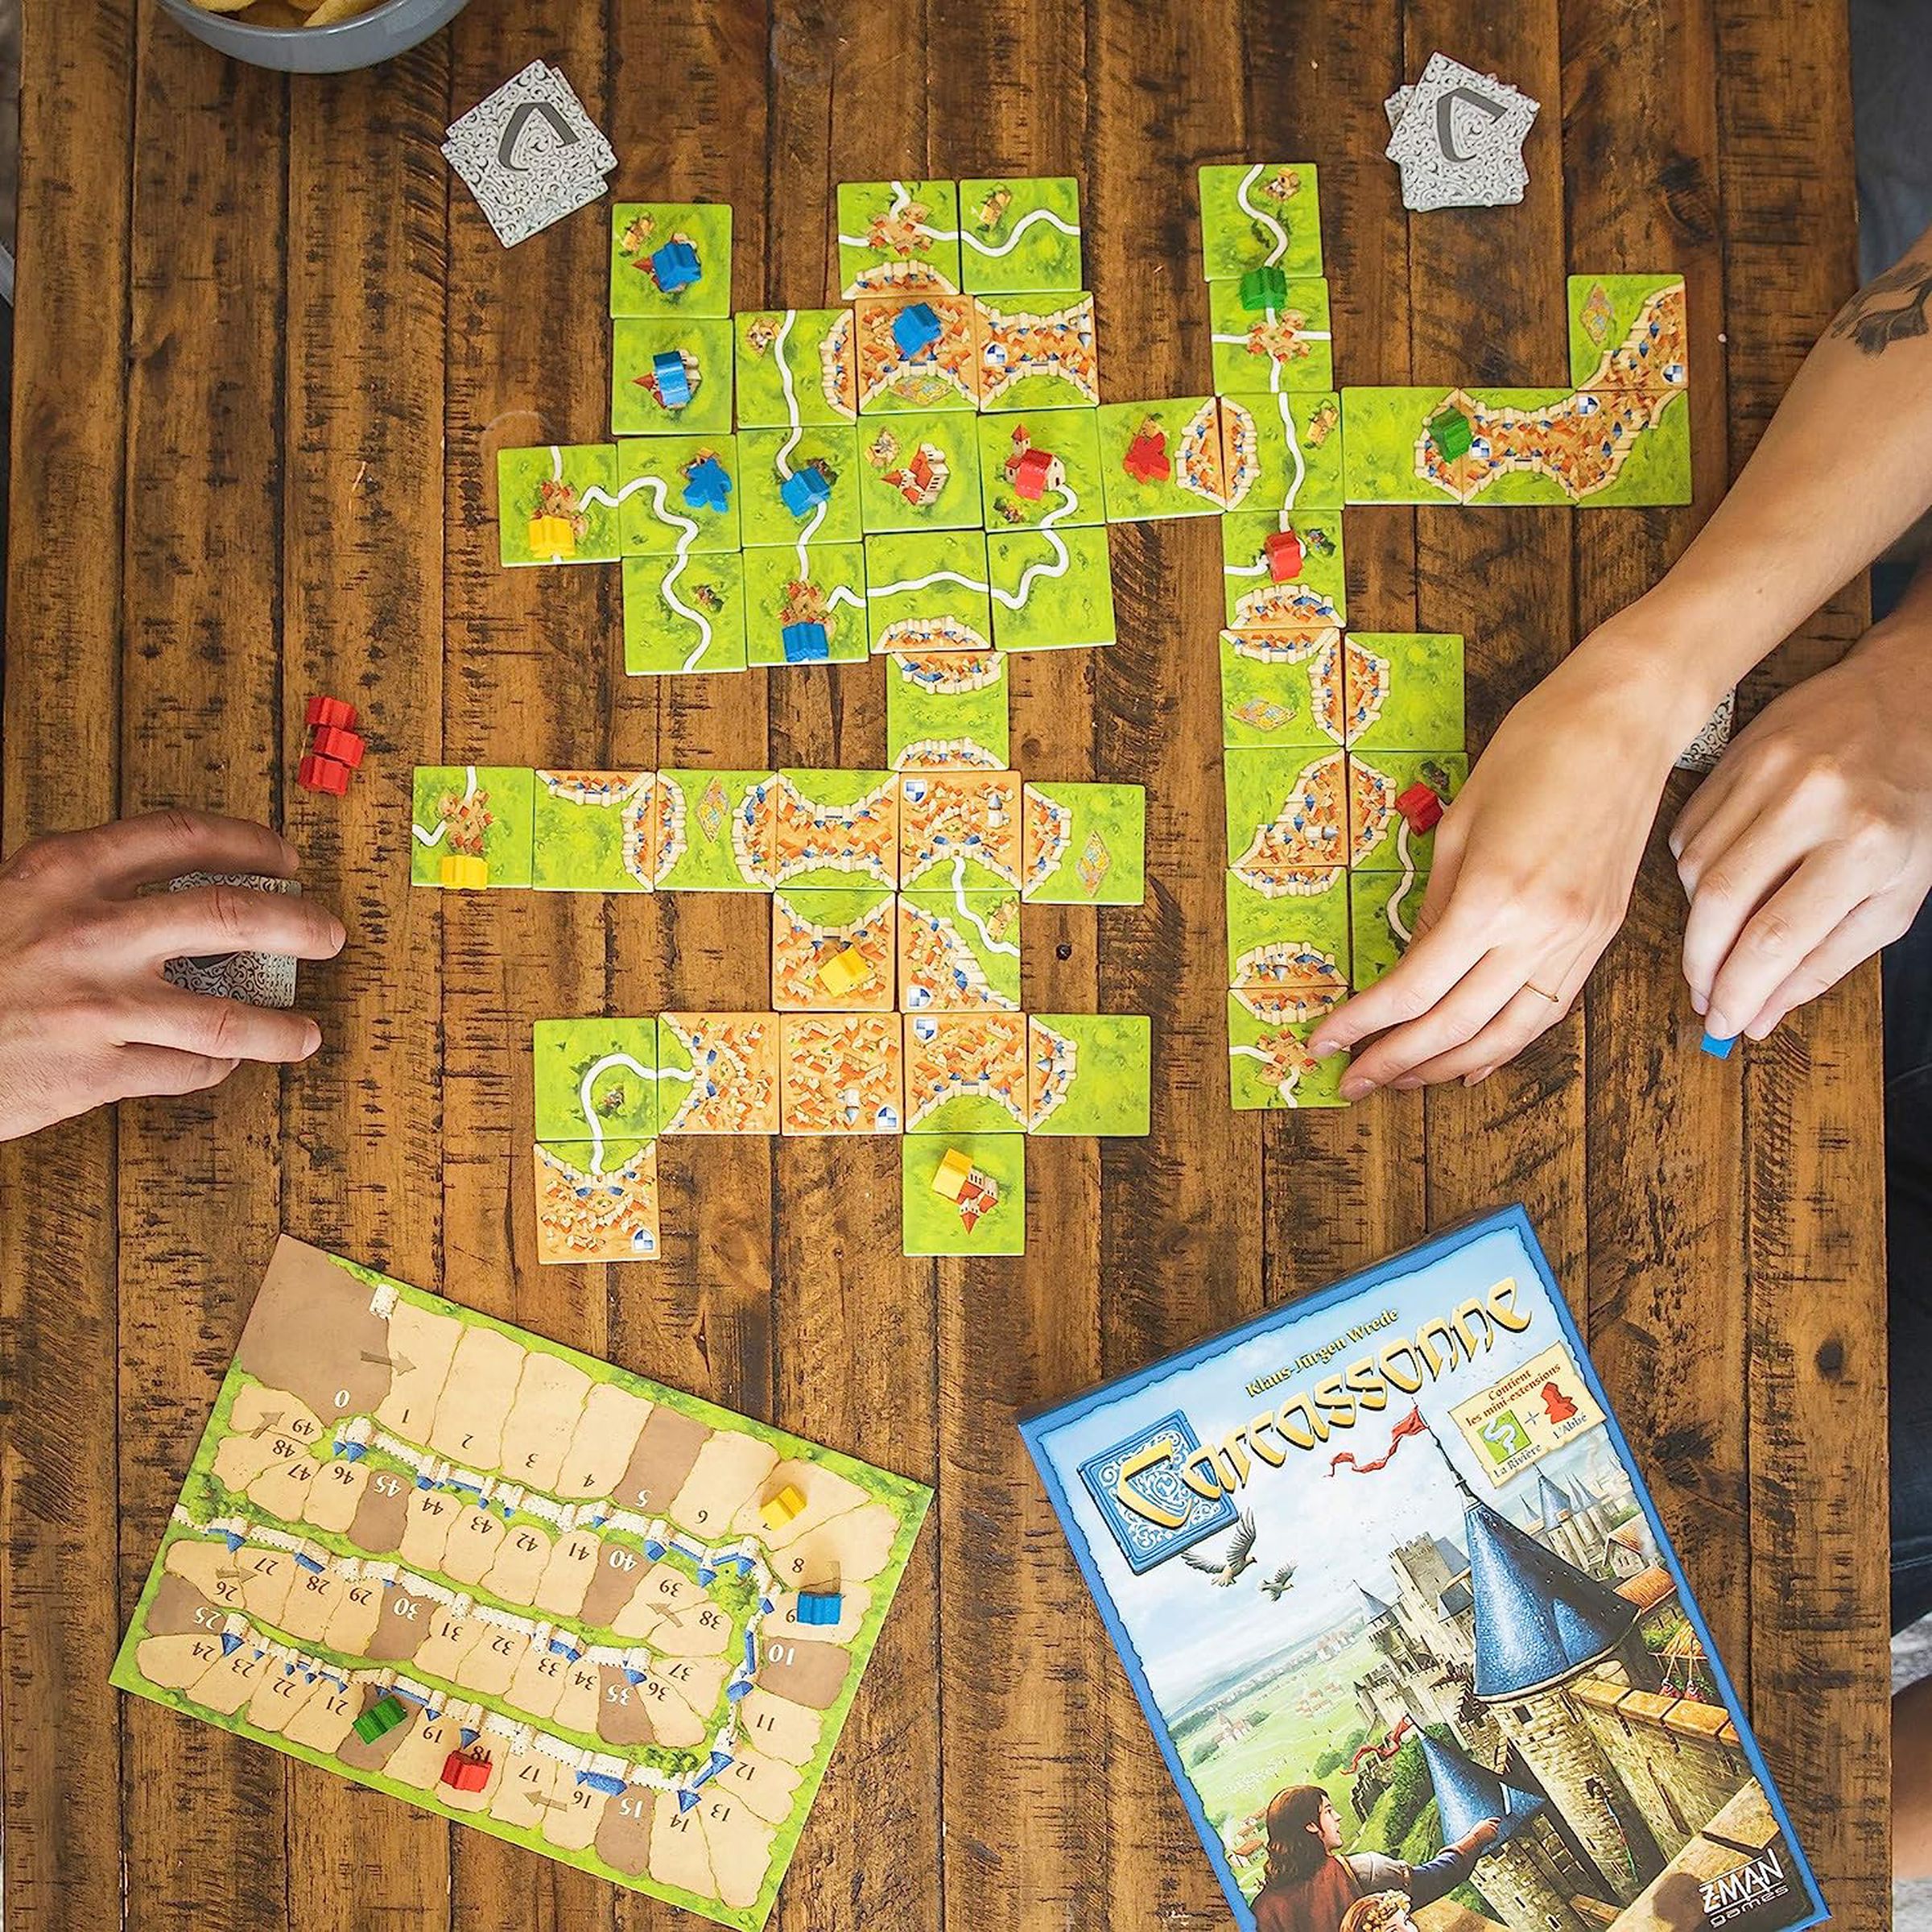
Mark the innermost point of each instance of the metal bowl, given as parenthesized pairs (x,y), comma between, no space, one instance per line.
(391,28)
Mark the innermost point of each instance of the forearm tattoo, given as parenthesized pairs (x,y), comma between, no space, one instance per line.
(1889,308)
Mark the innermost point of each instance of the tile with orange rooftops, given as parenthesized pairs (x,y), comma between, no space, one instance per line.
(834,828)
(965,1072)
(1396,799)
(1282,573)
(841,1073)
(1287,810)
(1089,1074)
(946,711)
(961,828)
(718,1073)
(834,952)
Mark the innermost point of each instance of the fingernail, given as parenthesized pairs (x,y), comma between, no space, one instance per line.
(1699,1003)
(1719,1045)
(1403,1082)
(1477,1078)
(1355,1085)
(338,935)
(311,1039)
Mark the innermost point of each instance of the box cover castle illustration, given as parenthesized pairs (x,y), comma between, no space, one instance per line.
(1404,1623)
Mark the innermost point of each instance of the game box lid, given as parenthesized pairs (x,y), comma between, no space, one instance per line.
(1382,1570)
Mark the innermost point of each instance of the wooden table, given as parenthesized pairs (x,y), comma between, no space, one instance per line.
(262,339)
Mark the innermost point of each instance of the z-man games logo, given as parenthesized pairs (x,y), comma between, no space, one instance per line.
(1739,1892)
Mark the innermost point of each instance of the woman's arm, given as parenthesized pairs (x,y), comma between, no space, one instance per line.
(1515,918)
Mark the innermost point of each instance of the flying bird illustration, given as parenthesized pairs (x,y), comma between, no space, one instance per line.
(1282,1582)
(1240,1555)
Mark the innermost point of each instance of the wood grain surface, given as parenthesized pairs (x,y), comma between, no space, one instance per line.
(266,351)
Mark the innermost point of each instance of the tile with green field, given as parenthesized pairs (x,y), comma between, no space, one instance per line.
(545,511)
(1083,844)
(958,951)
(1089,1073)
(1067,463)
(669,258)
(1608,349)
(1036,352)
(1283,345)
(1292,933)
(1651,434)
(1404,692)
(715,830)
(1283,451)
(926,590)
(1391,822)
(1021,234)
(616,1060)
(1287,809)
(946,710)
(703,344)
(794,366)
(593,832)
(828,451)
(1386,455)
(919,472)
(1051,587)
(684,614)
(1282,689)
(668,484)
(831,592)
(931,1223)
(1315,595)
(1527,443)
(898,236)
(1266,214)
(1383,907)
(1162,459)
(1269,1062)
(470,812)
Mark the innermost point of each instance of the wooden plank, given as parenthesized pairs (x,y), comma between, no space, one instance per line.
(1343,1187)
(363,396)
(853,1320)
(1110,1281)
(1814,1230)
(199,1177)
(528,680)
(59,1442)
(1640,153)
(1486,303)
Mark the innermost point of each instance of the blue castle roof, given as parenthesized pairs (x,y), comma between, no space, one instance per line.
(1550,1501)
(1376,1606)
(1586,1497)
(1539,1619)
(1466,1794)
(1452,1558)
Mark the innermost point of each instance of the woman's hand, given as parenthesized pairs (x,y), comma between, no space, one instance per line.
(1531,877)
(86,1016)
(1810,845)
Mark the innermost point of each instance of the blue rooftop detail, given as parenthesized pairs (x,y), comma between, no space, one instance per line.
(1466,1794)
(1539,1621)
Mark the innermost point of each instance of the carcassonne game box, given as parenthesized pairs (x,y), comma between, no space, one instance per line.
(1389,1585)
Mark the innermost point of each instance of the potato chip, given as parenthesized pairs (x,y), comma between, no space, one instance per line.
(340,9)
(221,7)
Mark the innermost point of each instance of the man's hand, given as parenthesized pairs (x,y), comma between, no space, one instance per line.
(86,1016)
(1532,873)
(1810,845)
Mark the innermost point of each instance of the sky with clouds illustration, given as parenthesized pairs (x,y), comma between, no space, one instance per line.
(1334,1531)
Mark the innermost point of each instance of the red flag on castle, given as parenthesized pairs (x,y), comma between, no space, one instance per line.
(1411,1424)
(1388,1746)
